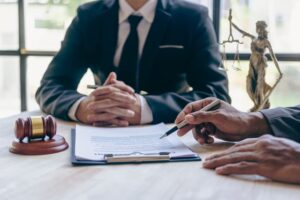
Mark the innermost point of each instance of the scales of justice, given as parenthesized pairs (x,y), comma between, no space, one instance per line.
(258,89)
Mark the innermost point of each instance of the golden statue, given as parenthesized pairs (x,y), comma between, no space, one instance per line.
(258,90)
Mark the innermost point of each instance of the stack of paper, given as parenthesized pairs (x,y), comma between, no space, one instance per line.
(93,143)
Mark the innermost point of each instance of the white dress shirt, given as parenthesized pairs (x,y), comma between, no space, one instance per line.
(125,10)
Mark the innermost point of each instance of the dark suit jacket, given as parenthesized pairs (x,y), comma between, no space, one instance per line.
(284,122)
(165,73)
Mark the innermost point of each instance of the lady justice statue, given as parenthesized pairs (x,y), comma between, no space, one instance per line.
(258,90)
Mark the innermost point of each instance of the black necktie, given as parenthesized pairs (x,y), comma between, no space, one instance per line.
(128,66)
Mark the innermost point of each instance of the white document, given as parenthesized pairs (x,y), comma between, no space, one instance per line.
(93,143)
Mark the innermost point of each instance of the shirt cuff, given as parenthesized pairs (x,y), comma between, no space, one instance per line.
(73,109)
(146,112)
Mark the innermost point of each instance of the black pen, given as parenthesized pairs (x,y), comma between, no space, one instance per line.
(184,123)
(92,86)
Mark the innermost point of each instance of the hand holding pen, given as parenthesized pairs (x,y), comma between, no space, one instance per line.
(224,122)
(183,124)
(195,110)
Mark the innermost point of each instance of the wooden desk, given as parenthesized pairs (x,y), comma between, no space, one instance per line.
(53,177)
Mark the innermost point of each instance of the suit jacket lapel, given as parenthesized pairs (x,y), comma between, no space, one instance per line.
(154,38)
(109,35)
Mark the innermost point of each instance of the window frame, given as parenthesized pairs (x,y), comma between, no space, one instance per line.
(24,53)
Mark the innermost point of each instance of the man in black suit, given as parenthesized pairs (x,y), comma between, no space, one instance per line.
(156,56)
(273,157)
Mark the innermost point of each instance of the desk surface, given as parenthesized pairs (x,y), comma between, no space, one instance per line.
(53,176)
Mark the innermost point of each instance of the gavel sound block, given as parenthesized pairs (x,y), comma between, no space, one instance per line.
(37,136)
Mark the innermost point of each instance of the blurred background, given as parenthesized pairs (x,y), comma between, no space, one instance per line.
(31,32)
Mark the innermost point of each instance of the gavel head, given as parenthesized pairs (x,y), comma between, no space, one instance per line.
(35,128)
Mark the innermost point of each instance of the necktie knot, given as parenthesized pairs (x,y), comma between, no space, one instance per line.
(134,21)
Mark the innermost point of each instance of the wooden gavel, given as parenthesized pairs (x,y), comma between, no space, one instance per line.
(35,128)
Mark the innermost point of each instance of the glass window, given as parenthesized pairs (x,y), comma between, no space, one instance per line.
(9,25)
(36,69)
(282,18)
(47,21)
(285,94)
(9,86)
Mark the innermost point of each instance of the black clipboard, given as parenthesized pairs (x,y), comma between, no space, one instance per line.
(75,161)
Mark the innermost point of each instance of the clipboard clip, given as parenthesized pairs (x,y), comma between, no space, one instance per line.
(137,157)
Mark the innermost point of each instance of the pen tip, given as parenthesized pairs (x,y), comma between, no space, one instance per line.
(162,136)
